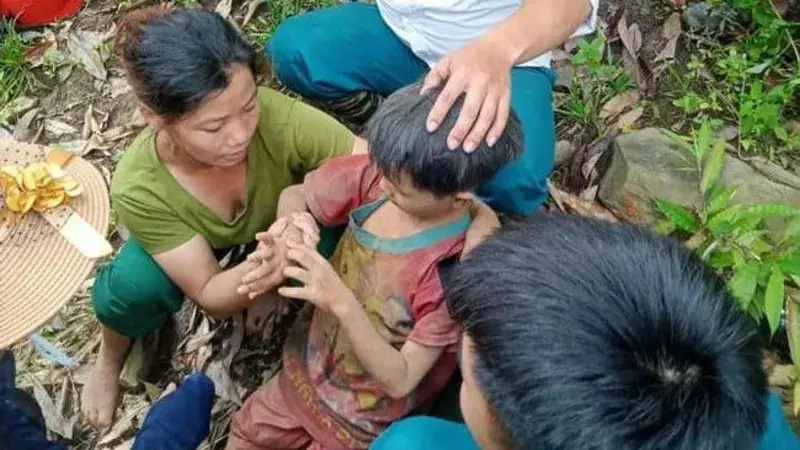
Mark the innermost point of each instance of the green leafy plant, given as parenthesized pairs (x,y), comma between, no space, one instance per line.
(761,265)
(16,76)
(261,28)
(597,80)
(752,80)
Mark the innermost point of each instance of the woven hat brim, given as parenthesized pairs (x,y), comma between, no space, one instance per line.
(40,271)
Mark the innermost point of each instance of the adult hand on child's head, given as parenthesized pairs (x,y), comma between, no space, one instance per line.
(482,71)
(322,286)
(266,261)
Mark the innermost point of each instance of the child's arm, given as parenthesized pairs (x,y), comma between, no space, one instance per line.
(397,372)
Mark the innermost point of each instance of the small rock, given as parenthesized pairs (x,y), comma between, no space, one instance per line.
(645,164)
(564,76)
(564,152)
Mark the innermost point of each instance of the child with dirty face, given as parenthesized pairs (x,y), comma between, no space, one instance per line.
(375,340)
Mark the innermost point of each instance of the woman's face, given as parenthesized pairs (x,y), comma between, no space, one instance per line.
(219,131)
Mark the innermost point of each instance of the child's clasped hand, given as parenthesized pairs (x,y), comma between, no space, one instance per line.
(268,261)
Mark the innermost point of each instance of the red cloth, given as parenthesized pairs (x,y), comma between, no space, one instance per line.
(30,13)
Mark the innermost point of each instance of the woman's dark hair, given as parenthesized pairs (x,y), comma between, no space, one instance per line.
(598,336)
(175,58)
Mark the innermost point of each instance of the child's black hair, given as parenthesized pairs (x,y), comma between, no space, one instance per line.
(175,59)
(399,143)
(590,335)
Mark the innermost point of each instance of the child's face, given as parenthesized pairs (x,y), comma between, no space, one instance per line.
(414,201)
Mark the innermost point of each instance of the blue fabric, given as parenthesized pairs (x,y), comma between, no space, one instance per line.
(331,53)
(179,421)
(429,433)
(17,430)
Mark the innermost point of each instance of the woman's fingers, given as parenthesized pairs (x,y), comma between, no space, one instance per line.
(297,273)
(294,292)
(500,120)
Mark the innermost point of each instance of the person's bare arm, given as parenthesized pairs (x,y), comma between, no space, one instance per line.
(397,372)
(359,147)
(193,267)
(482,69)
(484,223)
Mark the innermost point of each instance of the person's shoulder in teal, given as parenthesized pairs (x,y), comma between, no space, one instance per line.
(431,433)
(599,336)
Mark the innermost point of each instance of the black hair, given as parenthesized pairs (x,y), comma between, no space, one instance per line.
(399,143)
(590,335)
(175,59)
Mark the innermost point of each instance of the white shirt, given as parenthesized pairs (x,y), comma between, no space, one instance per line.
(434,29)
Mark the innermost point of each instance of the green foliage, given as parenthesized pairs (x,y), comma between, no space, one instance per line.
(16,76)
(261,28)
(596,81)
(758,263)
(751,81)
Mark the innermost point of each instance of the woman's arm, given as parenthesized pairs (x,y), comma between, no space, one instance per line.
(482,69)
(193,267)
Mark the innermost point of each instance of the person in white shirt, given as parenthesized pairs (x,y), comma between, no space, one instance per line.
(495,52)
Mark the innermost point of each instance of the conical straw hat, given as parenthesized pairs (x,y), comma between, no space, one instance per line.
(40,269)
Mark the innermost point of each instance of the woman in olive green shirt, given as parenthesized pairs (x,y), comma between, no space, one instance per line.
(204,177)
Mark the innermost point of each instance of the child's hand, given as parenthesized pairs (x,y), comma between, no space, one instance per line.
(321,284)
(308,226)
(266,262)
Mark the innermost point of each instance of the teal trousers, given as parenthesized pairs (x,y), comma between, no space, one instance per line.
(335,52)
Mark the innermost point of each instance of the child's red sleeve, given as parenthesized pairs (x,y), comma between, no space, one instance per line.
(340,186)
(433,326)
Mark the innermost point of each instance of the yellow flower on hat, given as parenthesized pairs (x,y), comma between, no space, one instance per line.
(39,186)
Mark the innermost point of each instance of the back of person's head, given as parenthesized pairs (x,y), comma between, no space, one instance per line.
(591,335)
(399,143)
(175,59)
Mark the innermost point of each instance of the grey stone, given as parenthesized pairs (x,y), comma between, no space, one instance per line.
(646,164)
(564,152)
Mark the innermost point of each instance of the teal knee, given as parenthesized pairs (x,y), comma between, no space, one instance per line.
(521,186)
(132,295)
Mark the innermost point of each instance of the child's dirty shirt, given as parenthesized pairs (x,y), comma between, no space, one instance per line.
(397,283)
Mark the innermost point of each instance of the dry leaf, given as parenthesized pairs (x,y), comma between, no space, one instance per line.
(79,147)
(590,194)
(668,53)
(782,375)
(120,427)
(635,68)
(58,128)
(23,130)
(573,204)
(631,36)
(252,6)
(619,104)
(55,422)
(118,86)
(81,45)
(224,8)
(219,369)
(89,123)
(34,54)
(628,120)
(672,27)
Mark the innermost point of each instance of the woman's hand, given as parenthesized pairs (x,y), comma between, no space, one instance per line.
(266,262)
(322,286)
(482,70)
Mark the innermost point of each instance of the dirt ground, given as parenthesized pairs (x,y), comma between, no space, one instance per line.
(104,112)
